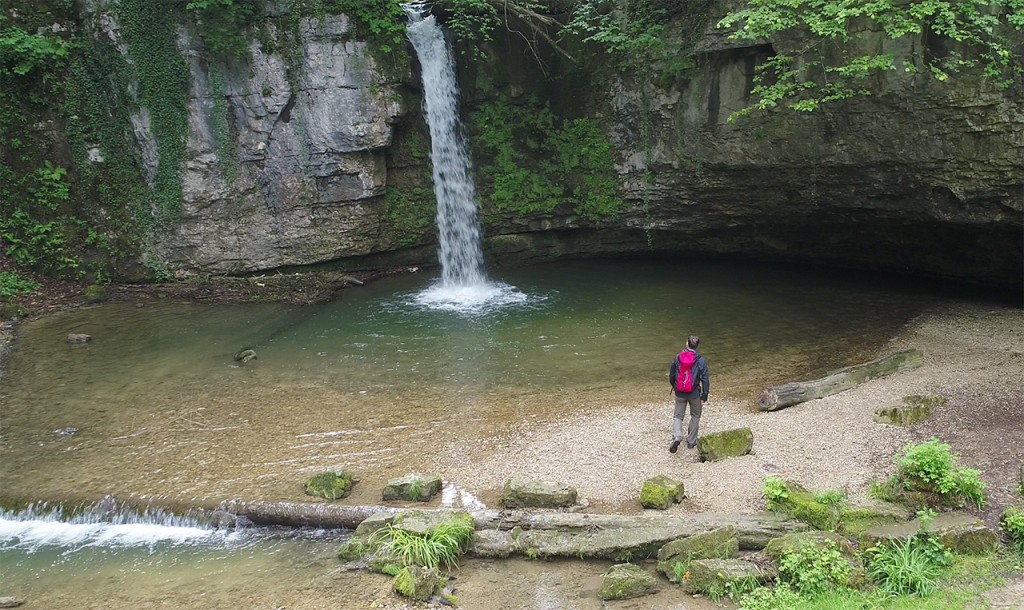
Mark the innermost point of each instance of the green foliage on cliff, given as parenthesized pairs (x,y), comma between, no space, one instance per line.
(224,25)
(534,162)
(163,86)
(41,224)
(823,66)
(410,214)
(652,38)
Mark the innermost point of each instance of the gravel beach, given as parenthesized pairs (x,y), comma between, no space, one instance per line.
(973,356)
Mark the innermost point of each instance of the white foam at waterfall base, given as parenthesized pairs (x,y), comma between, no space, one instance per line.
(472,300)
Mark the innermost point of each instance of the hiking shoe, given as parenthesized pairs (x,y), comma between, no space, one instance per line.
(675,445)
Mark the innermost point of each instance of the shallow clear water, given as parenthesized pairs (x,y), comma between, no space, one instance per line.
(373,382)
(375,378)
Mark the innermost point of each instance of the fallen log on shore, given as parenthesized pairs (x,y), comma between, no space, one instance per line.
(786,395)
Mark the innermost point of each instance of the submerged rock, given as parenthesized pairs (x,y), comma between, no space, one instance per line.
(625,581)
(10,602)
(77,338)
(914,409)
(245,355)
(330,485)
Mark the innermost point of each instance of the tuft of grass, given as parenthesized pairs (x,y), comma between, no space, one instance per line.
(442,544)
(905,567)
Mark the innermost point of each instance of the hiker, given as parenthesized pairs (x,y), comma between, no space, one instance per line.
(688,375)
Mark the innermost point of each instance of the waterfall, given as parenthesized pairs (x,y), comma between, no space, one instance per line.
(463,286)
(458,230)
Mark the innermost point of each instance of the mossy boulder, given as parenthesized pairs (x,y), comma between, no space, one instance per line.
(854,521)
(721,445)
(660,492)
(799,542)
(706,575)
(803,505)
(413,487)
(353,550)
(418,583)
(721,543)
(914,409)
(330,485)
(625,581)
(524,493)
(94,293)
(960,532)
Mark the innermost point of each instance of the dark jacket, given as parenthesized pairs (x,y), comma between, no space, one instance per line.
(700,378)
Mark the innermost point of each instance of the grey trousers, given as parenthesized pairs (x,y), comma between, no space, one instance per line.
(680,413)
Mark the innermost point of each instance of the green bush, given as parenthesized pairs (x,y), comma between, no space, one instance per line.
(813,570)
(11,284)
(931,467)
(779,597)
(1012,523)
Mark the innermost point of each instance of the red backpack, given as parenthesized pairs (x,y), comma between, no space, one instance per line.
(684,377)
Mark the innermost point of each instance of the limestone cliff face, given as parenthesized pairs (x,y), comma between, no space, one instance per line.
(920,177)
(306,170)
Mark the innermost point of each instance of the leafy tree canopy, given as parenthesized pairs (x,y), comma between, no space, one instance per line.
(824,65)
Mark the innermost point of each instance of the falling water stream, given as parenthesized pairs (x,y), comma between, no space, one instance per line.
(463,285)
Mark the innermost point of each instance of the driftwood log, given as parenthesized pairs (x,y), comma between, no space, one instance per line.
(778,397)
(504,533)
(304,514)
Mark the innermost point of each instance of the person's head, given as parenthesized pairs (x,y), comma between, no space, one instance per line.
(692,341)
